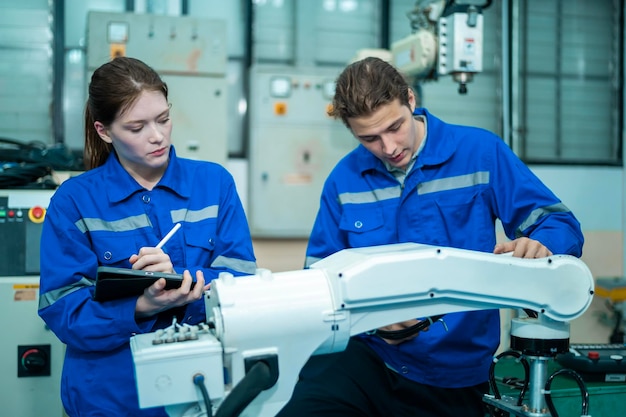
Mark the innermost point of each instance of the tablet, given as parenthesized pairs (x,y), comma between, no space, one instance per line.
(113,283)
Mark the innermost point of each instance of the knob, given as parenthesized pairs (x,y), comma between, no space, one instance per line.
(34,360)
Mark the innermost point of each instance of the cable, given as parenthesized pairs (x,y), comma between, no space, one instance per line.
(54,157)
(492,378)
(257,379)
(409,331)
(198,380)
(18,168)
(581,385)
(24,175)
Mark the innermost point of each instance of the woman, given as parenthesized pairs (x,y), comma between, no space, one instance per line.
(134,191)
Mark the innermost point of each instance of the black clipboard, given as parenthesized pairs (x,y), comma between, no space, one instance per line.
(113,283)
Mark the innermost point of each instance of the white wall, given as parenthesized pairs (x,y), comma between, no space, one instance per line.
(594,194)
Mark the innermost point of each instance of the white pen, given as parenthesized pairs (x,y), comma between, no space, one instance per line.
(168,236)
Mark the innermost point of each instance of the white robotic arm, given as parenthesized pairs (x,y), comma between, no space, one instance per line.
(281,319)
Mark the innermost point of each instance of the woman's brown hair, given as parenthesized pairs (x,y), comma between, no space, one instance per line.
(114,87)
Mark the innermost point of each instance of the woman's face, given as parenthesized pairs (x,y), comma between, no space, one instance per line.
(141,136)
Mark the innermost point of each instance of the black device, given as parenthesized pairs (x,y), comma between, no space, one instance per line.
(20,236)
(601,362)
(113,283)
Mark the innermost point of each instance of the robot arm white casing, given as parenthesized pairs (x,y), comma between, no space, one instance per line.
(427,280)
(300,313)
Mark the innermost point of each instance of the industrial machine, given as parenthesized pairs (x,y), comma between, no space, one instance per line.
(446,39)
(32,356)
(293,147)
(603,361)
(190,55)
(261,329)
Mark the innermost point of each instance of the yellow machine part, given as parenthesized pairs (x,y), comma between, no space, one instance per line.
(613,288)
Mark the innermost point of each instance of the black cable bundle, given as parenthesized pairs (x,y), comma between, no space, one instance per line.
(30,165)
(584,392)
(494,387)
(26,175)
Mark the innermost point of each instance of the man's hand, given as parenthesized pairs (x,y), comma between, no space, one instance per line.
(523,247)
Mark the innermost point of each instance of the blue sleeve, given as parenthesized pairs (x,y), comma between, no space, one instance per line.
(67,269)
(528,208)
(326,237)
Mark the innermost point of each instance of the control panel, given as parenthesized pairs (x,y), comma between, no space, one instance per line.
(293,147)
(32,356)
(22,213)
(604,362)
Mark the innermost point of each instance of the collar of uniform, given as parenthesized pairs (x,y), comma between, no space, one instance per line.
(366,161)
(177,178)
(123,185)
(438,148)
(440,144)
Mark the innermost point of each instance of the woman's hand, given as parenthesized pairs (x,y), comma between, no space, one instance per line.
(156,298)
(152,259)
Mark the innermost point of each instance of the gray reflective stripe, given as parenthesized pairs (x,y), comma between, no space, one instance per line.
(537,214)
(193,216)
(240,265)
(121,225)
(310,260)
(51,297)
(371,196)
(453,183)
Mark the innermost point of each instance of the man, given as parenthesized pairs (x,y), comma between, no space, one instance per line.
(417,179)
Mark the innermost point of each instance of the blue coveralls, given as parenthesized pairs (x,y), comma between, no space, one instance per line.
(462,181)
(102,217)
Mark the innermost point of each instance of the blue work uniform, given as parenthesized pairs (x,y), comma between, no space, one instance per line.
(102,217)
(463,179)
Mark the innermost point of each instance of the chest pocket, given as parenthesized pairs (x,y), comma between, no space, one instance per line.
(363,226)
(458,208)
(451,218)
(201,240)
(115,250)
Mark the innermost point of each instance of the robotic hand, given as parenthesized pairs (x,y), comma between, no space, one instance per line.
(261,329)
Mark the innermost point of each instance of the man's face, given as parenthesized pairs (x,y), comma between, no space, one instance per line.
(390,132)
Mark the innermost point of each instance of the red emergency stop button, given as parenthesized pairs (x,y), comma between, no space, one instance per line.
(593,355)
(36,214)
